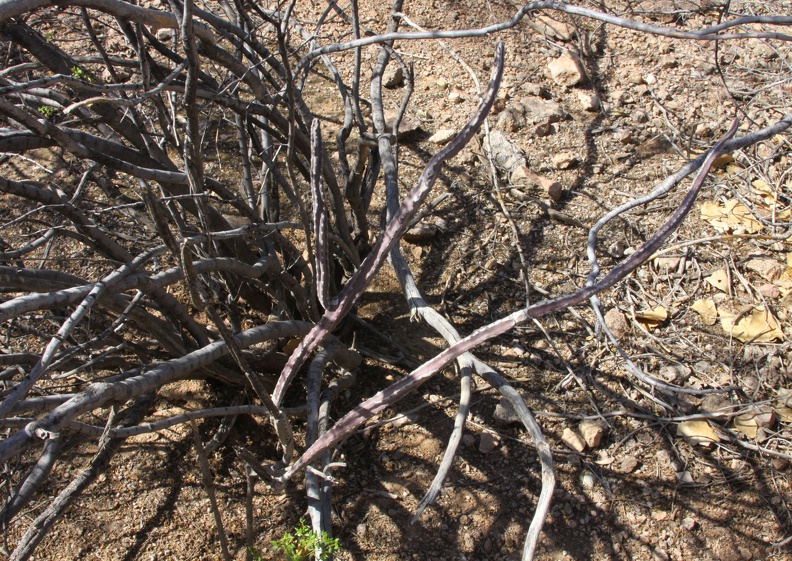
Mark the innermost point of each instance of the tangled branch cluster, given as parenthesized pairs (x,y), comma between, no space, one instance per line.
(134,263)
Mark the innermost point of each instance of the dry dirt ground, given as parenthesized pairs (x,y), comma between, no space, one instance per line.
(644,492)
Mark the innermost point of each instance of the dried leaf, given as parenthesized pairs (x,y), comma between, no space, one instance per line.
(784,413)
(784,280)
(766,198)
(706,310)
(768,269)
(722,161)
(732,216)
(763,193)
(757,326)
(719,279)
(746,424)
(733,168)
(786,300)
(291,344)
(650,319)
(698,432)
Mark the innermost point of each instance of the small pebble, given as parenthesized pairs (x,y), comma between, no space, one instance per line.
(487,443)
(360,530)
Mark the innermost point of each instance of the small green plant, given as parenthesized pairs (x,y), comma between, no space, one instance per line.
(302,545)
(47,111)
(81,74)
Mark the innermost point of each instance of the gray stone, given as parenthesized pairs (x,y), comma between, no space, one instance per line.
(573,440)
(538,90)
(621,98)
(507,156)
(763,416)
(541,111)
(745,553)
(409,126)
(487,443)
(567,70)
(763,50)
(625,136)
(675,373)
(588,101)
(689,523)
(442,136)
(524,176)
(617,249)
(165,34)
(713,403)
(505,413)
(629,464)
(592,432)
(617,323)
(639,116)
(394,77)
(666,264)
(510,120)
(553,188)
(635,77)
(360,530)
(564,160)
(456,96)
(421,234)
(549,27)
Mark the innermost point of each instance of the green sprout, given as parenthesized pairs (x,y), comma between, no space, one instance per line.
(81,74)
(47,111)
(304,543)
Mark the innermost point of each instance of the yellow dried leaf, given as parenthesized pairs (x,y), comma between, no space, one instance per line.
(757,326)
(763,193)
(292,344)
(765,198)
(706,310)
(698,432)
(786,299)
(733,168)
(713,213)
(746,424)
(732,216)
(784,413)
(657,314)
(650,319)
(719,279)
(722,161)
